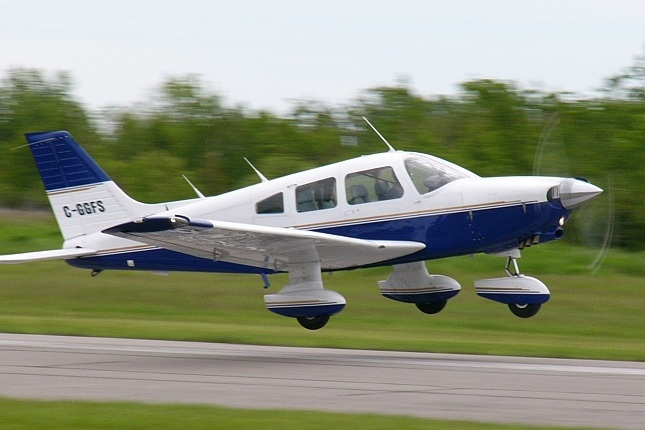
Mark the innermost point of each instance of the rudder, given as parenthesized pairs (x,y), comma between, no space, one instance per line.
(61,161)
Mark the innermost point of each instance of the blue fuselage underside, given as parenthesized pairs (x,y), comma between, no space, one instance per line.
(445,235)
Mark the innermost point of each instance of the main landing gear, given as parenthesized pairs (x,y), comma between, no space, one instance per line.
(432,308)
(525,310)
(524,295)
(411,283)
(312,307)
(313,323)
(304,298)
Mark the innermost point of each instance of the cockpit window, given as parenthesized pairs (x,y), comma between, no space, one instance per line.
(429,175)
(372,186)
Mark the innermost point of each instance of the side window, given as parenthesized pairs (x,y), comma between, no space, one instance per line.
(316,195)
(372,186)
(271,205)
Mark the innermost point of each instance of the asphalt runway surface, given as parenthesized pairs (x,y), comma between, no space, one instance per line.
(461,387)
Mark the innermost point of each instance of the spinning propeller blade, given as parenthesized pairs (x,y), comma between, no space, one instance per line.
(551,159)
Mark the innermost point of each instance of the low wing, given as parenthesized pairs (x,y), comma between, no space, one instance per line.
(269,247)
(55,254)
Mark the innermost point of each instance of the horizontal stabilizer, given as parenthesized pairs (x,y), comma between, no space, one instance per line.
(54,254)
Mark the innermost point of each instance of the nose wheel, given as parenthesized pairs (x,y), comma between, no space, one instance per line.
(522,294)
(521,310)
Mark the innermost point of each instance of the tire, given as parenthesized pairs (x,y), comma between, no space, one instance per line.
(431,308)
(524,310)
(313,323)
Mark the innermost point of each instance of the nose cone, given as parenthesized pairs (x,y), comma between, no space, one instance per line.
(574,192)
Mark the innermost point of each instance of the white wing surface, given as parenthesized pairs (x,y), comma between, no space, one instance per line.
(269,247)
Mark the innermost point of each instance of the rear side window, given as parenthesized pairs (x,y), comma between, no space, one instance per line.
(316,195)
(271,205)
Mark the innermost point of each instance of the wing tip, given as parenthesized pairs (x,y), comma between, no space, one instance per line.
(53,254)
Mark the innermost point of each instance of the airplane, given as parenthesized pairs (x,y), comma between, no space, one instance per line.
(394,208)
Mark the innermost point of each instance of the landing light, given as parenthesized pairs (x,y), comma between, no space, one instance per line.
(561,221)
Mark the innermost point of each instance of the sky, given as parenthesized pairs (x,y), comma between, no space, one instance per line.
(271,54)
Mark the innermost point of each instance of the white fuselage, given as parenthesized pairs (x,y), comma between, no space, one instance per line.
(458,213)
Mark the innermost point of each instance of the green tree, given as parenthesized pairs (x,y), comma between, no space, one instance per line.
(30,102)
(491,127)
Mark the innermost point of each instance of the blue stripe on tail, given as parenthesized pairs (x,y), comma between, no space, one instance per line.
(62,163)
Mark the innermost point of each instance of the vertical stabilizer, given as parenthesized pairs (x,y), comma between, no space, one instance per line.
(83,197)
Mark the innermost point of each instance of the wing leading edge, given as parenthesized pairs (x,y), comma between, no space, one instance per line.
(269,247)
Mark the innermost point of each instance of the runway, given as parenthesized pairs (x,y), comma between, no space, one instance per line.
(478,388)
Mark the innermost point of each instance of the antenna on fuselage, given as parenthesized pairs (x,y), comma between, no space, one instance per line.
(257,172)
(199,193)
(380,135)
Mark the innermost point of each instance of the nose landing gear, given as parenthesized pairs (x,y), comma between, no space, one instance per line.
(524,295)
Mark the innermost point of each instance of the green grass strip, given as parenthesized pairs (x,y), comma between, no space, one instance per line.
(35,415)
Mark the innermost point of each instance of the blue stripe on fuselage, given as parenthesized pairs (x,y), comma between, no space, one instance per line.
(450,234)
(461,233)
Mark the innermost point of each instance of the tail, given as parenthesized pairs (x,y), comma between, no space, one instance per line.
(83,197)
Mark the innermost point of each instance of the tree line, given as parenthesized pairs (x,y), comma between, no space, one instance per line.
(491,127)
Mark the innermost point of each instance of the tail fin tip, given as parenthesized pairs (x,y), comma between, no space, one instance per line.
(63,163)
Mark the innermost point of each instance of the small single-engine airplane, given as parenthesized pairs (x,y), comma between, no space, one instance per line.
(394,208)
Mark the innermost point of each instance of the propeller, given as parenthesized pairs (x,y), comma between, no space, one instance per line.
(594,221)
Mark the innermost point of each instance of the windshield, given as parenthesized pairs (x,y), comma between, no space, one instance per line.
(429,174)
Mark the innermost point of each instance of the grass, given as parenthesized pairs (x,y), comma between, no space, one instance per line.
(588,316)
(34,415)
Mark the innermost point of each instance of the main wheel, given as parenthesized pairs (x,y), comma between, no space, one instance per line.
(524,310)
(313,323)
(431,308)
